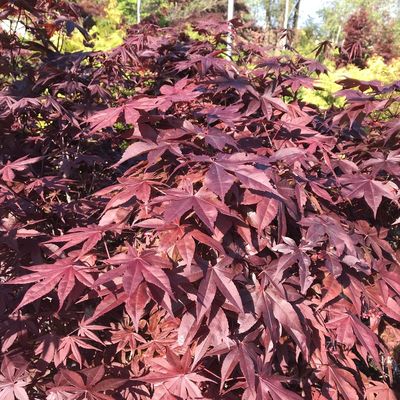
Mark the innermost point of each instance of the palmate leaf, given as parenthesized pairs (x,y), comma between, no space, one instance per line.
(88,330)
(375,239)
(104,118)
(64,274)
(137,272)
(219,177)
(270,386)
(276,311)
(218,139)
(154,150)
(203,203)
(349,328)
(267,209)
(203,63)
(129,112)
(7,171)
(338,381)
(218,277)
(371,190)
(252,178)
(269,104)
(58,350)
(146,266)
(126,189)
(228,115)
(125,337)
(182,237)
(379,391)
(380,162)
(243,353)
(328,227)
(175,376)
(89,383)
(89,236)
(295,254)
(287,316)
(218,180)
(242,85)
(181,91)
(13,380)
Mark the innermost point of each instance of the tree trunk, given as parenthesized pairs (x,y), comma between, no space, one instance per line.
(338,35)
(283,41)
(296,15)
(138,10)
(268,16)
(286,15)
(231,8)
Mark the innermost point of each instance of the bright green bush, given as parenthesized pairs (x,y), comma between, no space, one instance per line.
(107,34)
(376,69)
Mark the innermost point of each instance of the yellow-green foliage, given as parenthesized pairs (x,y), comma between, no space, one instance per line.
(194,35)
(106,34)
(106,41)
(376,69)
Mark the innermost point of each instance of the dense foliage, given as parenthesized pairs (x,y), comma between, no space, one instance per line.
(376,69)
(169,12)
(177,225)
(357,46)
(333,15)
(362,40)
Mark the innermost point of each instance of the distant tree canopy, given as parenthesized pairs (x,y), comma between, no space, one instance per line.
(170,11)
(363,37)
(335,13)
(380,34)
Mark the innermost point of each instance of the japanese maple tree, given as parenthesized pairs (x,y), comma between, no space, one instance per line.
(176,224)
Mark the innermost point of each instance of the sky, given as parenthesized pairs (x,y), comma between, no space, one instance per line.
(309,8)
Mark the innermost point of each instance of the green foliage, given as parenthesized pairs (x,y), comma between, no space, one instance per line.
(376,69)
(306,41)
(269,13)
(148,7)
(107,33)
(168,12)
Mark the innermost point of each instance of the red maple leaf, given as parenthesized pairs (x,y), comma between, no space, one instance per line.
(7,171)
(139,271)
(218,277)
(173,375)
(63,274)
(88,384)
(13,380)
(179,201)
